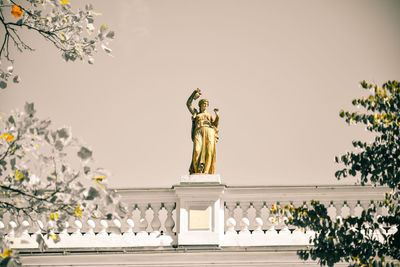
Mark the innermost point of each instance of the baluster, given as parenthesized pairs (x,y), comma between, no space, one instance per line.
(156,223)
(265,215)
(131,224)
(237,215)
(272,208)
(358,209)
(116,234)
(92,225)
(64,233)
(280,215)
(25,233)
(136,217)
(169,222)
(245,205)
(231,208)
(78,225)
(103,231)
(117,229)
(251,215)
(331,211)
(230,226)
(258,221)
(142,221)
(244,223)
(351,205)
(259,224)
(258,205)
(345,211)
(338,205)
(13,225)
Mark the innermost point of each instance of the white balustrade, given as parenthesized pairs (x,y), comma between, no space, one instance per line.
(251,217)
(267,228)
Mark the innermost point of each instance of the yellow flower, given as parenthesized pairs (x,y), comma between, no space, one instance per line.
(99,178)
(7,253)
(98,181)
(354,257)
(16,11)
(78,211)
(18,175)
(53,236)
(7,137)
(273,208)
(54,216)
(64,2)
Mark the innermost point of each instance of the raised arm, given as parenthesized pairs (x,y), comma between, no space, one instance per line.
(196,94)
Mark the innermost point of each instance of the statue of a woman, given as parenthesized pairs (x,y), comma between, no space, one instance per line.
(204,136)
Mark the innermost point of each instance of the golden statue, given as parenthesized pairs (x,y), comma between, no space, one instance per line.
(204,136)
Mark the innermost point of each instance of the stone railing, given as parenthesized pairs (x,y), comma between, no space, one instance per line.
(205,213)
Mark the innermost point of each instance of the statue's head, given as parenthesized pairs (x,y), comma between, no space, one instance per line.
(203,104)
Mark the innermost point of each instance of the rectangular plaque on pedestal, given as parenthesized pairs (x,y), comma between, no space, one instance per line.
(201,178)
(200,219)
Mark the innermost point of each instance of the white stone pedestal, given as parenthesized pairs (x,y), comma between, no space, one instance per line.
(201,178)
(200,216)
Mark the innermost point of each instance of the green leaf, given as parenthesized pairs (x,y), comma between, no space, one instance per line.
(92,194)
(16,79)
(3,84)
(11,120)
(12,162)
(84,153)
(86,169)
(29,109)
(110,35)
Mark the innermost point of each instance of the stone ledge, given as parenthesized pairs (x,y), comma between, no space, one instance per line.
(201,178)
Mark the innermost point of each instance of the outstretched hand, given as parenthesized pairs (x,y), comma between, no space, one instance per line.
(197,93)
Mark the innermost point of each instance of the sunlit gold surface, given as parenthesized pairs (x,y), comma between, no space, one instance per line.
(204,136)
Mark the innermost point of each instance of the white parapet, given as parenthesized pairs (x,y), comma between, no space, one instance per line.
(202,211)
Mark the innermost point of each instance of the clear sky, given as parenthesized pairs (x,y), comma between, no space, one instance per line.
(279,71)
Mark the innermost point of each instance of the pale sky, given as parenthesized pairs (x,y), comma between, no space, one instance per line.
(279,71)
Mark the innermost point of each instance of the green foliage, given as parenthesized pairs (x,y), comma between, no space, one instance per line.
(377,162)
(73,33)
(46,171)
(363,240)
